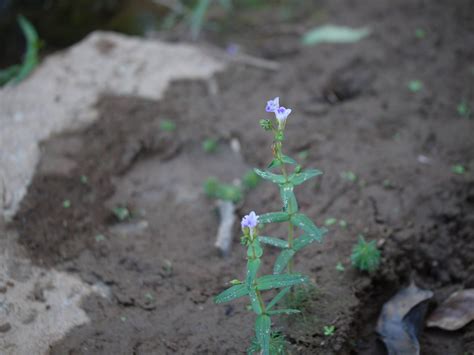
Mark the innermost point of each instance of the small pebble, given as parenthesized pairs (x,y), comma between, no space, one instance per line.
(5,327)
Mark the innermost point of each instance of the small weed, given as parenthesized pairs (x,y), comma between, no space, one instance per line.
(122,213)
(100,238)
(277,345)
(458,169)
(215,189)
(415,85)
(329,330)
(330,221)
(209,145)
(167,126)
(251,180)
(340,267)
(349,176)
(463,109)
(66,204)
(365,255)
(420,33)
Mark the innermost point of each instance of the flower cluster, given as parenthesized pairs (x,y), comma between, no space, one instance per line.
(280,112)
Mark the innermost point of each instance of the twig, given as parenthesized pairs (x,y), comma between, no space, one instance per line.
(224,233)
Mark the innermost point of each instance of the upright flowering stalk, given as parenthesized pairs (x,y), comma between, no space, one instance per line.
(286,183)
(266,342)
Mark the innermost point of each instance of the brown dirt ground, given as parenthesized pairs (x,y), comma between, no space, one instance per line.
(353,112)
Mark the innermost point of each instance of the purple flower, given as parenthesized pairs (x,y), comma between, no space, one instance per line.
(250,221)
(273,105)
(282,114)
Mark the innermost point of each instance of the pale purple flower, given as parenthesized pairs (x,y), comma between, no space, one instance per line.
(273,105)
(250,221)
(282,114)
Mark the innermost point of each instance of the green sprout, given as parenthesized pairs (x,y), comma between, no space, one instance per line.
(284,278)
(329,330)
(349,176)
(227,192)
(420,33)
(66,204)
(340,267)
(167,126)
(330,221)
(463,109)
(84,180)
(458,169)
(209,145)
(100,238)
(122,213)
(251,180)
(365,255)
(415,85)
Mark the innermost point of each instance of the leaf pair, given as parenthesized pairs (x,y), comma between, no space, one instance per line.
(262,283)
(294,179)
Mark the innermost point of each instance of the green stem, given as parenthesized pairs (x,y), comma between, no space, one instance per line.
(257,292)
(290,244)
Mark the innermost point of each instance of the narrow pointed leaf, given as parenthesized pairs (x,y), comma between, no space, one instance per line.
(284,311)
(256,306)
(268,282)
(254,250)
(297,179)
(306,239)
(278,297)
(302,221)
(262,332)
(283,260)
(231,293)
(334,34)
(288,160)
(252,267)
(274,164)
(279,243)
(277,179)
(273,217)
(288,198)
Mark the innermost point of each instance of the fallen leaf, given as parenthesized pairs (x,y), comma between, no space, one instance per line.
(334,34)
(455,312)
(401,319)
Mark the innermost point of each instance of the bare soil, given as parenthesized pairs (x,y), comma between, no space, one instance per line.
(353,111)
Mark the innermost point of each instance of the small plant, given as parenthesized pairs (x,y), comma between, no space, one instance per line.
(365,255)
(415,85)
(215,189)
(167,126)
(329,330)
(458,169)
(122,213)
(283,276)
(66,203)
(209,145)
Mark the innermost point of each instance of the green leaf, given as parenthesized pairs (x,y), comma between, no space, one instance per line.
(305,240)
(278,297)
(252,268)
(284,311)
(283,260)
(288,160)
(297,179)
(268,282)
(256,306)
(301,221)
(277,179)
(273,217)
(279,243)
(198,16)
(262,332)
(288,198)
(334,34)
(231,293)
(254,250)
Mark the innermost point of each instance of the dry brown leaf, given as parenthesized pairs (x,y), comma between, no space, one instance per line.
(455,312)
(400,319)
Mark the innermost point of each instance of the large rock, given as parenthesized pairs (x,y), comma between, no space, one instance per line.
(62,91)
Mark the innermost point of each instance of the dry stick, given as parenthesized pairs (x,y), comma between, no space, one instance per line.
(224,232)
